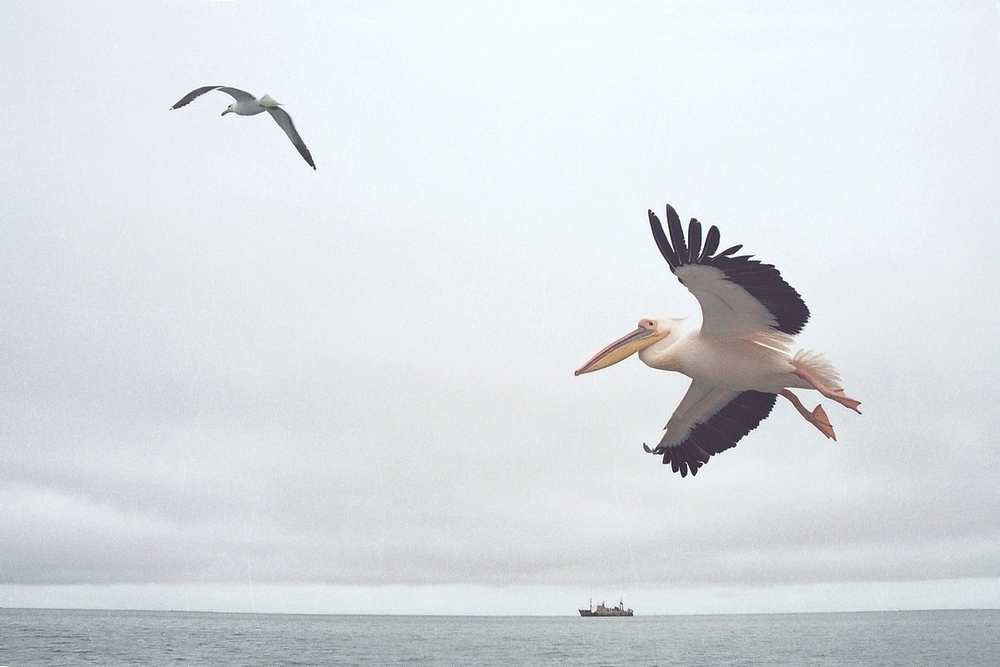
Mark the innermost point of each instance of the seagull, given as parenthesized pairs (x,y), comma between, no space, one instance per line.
(248,105)
(739,361)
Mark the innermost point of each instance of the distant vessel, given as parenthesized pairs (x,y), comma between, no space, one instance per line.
(601,610)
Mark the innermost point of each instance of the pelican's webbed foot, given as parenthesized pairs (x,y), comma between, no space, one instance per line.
(817,417)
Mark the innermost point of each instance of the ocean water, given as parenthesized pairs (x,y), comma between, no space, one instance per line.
(908,639)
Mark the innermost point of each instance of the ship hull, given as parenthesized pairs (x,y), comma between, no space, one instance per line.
(602,611)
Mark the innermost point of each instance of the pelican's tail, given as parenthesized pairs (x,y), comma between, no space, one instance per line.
(268,102)
(819,367)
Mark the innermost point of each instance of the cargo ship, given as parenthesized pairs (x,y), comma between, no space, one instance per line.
(601,610)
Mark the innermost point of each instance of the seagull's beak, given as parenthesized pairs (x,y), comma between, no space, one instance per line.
(623,348)
(226,111)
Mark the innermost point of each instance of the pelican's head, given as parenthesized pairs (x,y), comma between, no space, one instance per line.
(648,333)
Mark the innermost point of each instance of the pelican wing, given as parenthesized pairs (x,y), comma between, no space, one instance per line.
(738,294)
(236,93)
(709,420)
(284,121)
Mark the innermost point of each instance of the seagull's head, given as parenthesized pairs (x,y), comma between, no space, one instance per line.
(230,109)
(649,339)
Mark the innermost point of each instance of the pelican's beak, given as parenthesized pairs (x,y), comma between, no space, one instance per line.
(623,348)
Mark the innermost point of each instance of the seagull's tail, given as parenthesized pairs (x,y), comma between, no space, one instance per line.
(268,102)
(819,367)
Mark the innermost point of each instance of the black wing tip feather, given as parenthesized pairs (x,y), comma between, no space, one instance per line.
(689,249)
(190,97)
(677,235)
(677,249)
(711,243)
(694,241)
(723,431)
(730,250)
(306,155)
(673,261)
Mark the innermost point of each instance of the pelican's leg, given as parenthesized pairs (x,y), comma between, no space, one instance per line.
(833,394)
(817,417)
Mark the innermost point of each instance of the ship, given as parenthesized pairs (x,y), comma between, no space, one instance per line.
(601,610)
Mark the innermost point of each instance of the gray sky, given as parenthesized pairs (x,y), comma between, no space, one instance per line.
(230,382)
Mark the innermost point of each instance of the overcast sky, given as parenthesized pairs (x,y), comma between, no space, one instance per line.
(228,381)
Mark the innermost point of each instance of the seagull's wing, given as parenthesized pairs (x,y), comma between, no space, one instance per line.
(197,92)
(236,93)
(738,295)
(709,420)
(285,122)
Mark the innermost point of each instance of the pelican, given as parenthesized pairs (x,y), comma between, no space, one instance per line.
(248,105)
(739,361)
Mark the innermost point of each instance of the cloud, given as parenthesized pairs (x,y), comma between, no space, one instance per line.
(218,367)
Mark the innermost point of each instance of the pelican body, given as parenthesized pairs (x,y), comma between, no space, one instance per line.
(739,361)
(248,105)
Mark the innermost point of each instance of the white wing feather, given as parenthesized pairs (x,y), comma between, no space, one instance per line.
(728,310)
(699,404)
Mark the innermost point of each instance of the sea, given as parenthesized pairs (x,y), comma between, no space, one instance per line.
(968,638)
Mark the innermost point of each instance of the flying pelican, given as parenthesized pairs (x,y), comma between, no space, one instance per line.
(739,361)
(248,105)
